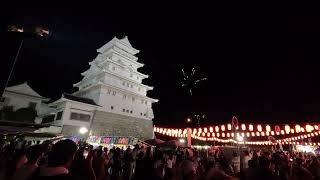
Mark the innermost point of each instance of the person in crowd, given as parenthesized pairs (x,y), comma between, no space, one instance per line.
(235,162)
(224,165)
(59,162)
(314,168)
(187,171)
(98,164)
(140,167)
(128,164)
(33,154)
(246,159)
(263,171)
(116,165)
(81,168)
(46,149)
(298,172)
(14,163)
(148,164)
(159,165)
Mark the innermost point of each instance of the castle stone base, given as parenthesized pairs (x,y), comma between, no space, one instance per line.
(110,124)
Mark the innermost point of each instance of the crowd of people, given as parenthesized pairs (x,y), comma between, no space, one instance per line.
(66,160)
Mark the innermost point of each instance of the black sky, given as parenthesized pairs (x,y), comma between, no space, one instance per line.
(262,64)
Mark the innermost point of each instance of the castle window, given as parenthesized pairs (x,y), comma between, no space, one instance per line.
(131,111)
(123,110)
(140,114)
(127,84)
(111,107)
(124,96)
(144,114)
(109,91)
(141,101)
(133,98)
(32,105)
(113,68)
(123,83)
(127,111)
(59,115)
(145,102)
(114,93)
(79,117)
(131,86)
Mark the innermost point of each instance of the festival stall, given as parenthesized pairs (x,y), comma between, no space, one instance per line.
(112,141)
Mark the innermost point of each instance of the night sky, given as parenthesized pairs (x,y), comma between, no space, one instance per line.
(262,64)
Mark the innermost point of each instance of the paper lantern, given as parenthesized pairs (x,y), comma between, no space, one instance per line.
(200,130)
(211,129)
(309,128)
(259,127)
(252,134)
(272,133)
(223,128)
(258,133)
(262,133)
(267,133)
(229,127)
(268,128)
(222,134)
(292,131)
(217,129)
(282,132)
(205,130)
(297,127)
(287,129)
(302,129)
(228,134)
(243,127)
(248,134)
(250,127)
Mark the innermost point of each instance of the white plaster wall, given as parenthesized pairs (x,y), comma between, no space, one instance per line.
(119,103)
(20,101)
(94,95)
(115,81)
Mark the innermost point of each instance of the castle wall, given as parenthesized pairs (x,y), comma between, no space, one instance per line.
(110,124)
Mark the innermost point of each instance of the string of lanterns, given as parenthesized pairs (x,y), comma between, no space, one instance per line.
(222,131)
(214,133)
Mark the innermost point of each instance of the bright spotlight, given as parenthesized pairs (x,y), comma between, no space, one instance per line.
(83,130)
(240,138)
(181,140)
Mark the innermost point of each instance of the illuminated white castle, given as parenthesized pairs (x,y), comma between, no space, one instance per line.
(111,99)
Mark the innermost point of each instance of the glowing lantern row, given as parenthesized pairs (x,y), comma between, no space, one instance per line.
(287,129)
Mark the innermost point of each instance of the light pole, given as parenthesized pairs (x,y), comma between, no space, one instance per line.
(38,31)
